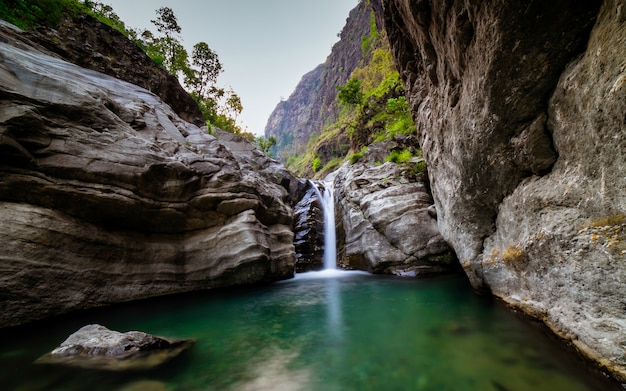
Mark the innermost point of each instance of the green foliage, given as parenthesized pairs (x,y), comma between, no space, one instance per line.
(366,44)
(265,144)
(316,164)
(356,156)
(220,107)
(379,74)
(350,93)
(166,22)
(419,168)
(399,157)
(105,14)
(331,165)
(373,108)
(30,14)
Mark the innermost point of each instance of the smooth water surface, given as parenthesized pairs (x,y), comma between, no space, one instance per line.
(318,332)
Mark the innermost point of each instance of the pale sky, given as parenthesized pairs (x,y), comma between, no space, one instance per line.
(265,46)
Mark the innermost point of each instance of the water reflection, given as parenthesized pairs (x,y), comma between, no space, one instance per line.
(347,332)
(333,309)
(273,372)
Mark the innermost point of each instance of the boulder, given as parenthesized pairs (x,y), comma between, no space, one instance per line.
(96,347)
(520,113)
(308,228)
(385,212)
(107,195)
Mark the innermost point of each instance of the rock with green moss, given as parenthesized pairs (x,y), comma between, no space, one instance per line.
(386,217)
(520,111)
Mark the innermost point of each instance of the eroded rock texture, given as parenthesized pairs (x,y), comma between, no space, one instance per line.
(84,41)
(520,113)
(106,195)
(387,218)
(308,232)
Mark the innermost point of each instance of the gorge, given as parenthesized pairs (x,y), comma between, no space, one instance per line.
(514,173)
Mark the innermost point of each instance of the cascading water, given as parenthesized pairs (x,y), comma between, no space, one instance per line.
(327,199)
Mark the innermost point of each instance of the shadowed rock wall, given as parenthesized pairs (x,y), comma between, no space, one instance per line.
(520,112)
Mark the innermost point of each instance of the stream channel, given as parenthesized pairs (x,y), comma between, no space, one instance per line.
(329,331)
(319,331)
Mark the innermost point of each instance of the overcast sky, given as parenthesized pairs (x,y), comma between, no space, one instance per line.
(265,46)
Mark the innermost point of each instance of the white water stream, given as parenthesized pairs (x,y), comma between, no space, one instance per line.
(327,199)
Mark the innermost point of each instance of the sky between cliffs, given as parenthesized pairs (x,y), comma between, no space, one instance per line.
(265,46)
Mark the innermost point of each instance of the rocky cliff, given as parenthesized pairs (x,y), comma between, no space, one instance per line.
(520,113)
(313,102)
(107,195)
(84,41)
(386,220)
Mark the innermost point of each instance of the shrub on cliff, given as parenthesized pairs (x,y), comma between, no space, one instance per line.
(28,14)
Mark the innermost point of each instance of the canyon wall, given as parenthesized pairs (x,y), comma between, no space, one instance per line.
(520,114)
(107,195)
(313,102)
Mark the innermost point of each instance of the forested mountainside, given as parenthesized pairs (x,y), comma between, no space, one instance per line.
(355,98)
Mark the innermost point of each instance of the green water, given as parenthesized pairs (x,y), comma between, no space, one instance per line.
(356,332)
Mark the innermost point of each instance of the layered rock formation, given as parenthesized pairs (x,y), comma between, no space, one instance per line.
(387,217)
(106,195)
(520,114)
(308,231)
(84,41)
(313,102)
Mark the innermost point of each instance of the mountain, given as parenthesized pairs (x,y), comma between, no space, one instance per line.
(312,105)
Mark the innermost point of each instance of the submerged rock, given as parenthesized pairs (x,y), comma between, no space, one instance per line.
(96,347)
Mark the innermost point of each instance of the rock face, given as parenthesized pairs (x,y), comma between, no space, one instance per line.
(387,218)
(96,347)
(309,232)
(521,118)
(86,42)
(312,103)
(106,195)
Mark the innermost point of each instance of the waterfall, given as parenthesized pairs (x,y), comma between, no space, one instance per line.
(327,199)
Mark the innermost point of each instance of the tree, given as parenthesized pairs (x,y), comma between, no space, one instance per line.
(265,144)
(350,93)
(169,47)
(202,79)
(233,105)
(166,22)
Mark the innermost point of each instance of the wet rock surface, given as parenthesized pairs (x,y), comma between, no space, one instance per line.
(96,347)
(309,232)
